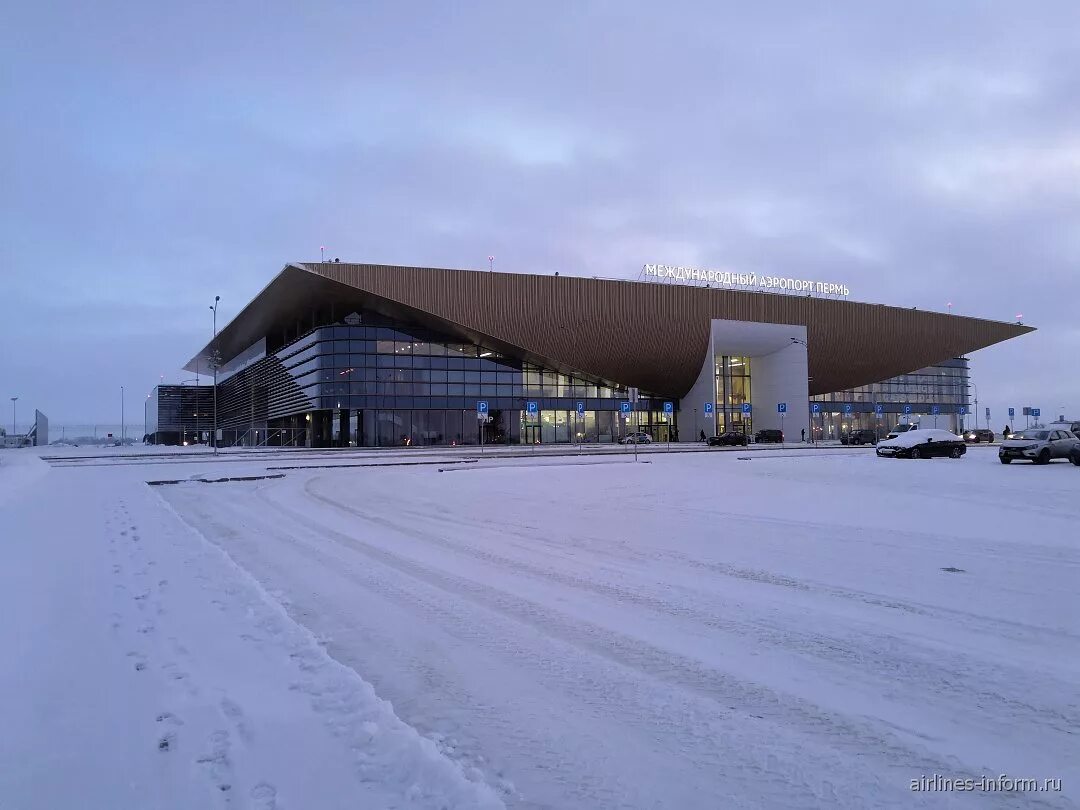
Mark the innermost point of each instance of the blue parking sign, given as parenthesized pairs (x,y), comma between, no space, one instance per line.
(907,409)
(746,407)
(580,408)
(815,407)
(1012,413)
(669,407)
(482,406)
(708,407)
(1036,411)
(962,410)
(879,409)
(935,409)
(624,407)
(848,407)
(530,407)
(781,407)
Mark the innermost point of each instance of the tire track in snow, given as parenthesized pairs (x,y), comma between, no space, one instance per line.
(953,677)
(847,734)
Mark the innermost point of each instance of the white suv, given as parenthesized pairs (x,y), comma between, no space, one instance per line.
(902,428)
(1037,444)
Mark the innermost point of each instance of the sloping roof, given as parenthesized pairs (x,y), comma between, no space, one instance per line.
(650,335)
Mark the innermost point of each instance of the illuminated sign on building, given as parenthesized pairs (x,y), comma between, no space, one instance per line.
(744,281)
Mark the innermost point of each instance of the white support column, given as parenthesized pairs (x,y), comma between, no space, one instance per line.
(703,390)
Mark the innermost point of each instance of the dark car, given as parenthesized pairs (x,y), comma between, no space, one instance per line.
(769,436)
(923,444)
(729,439)
(859,437)
(1074,455)
(979,435)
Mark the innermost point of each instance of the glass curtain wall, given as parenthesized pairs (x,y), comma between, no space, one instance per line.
(943,388)
(384,383)
(732,392)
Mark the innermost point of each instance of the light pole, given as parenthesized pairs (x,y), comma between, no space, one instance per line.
(198,403)
(123,424)
(809,419)
(216,362)
(13,401)
(973,385)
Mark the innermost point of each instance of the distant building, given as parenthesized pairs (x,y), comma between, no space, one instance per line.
(38,434)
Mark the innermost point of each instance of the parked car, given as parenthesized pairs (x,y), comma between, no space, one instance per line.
(1040,445)
(641,437)
(1074,455)
(896,431)
(729,439)
(1072,427)
(979,435)
(922,443)
(769,436)
(859,437)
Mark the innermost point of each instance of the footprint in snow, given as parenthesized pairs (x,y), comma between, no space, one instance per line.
(231,709)
(217,761)
(139,660)
(264,796)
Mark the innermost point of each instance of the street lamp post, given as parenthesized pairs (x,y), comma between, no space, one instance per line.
(217,363)
(973,385)
(123,423)
(810,421)
(13,401)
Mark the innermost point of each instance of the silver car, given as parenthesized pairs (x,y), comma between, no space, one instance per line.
(1039,445)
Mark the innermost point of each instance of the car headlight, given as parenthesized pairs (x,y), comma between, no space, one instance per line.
(1031,447)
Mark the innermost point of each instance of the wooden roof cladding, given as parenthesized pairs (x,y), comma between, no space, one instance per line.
(654,335)
(646,334)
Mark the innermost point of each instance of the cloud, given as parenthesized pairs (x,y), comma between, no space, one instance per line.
(159,156)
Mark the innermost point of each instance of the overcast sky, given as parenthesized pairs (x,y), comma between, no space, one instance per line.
(155,155)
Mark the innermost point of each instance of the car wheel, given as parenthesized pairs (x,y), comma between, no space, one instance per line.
(955,453)
(1004,460)
(916,452)
(1044,457)
(1075,459)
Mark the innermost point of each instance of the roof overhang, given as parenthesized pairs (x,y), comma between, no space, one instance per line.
(654,336)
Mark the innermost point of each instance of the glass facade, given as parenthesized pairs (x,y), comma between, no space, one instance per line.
(944,387)
(179,414)
(378,382)
(372,381)
(732,392)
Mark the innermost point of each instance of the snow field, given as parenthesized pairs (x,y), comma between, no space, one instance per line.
(702,630)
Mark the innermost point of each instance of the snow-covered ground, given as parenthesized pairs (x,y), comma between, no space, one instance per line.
(707,629)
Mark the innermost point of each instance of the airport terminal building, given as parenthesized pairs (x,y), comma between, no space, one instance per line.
(337,354)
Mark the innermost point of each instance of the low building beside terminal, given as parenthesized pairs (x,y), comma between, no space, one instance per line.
(36,435)
(334,354)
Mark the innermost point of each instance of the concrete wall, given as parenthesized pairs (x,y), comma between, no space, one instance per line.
(778,372)
(781,377)
(41,435)
(704,390)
